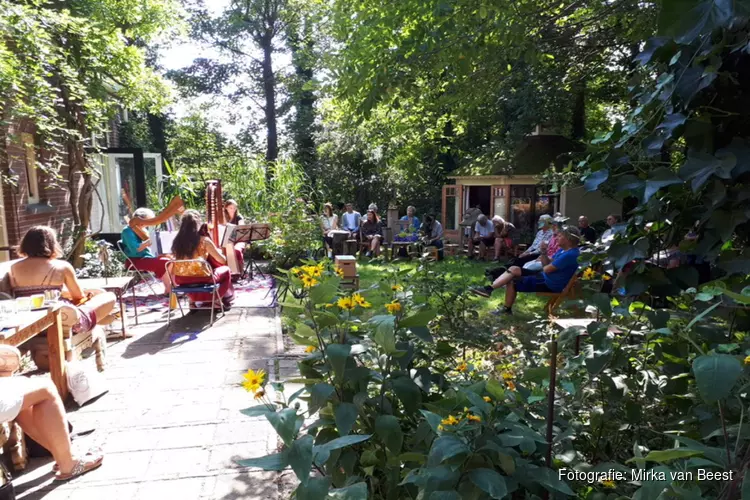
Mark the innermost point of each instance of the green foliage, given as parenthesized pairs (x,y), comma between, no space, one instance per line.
(398,417)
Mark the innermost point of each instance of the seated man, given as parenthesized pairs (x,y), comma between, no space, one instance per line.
(350,221)
(35,405)
(587,232)
(554,277)
(432,234)
(484,236)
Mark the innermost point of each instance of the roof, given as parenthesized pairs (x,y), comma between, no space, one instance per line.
(534,155)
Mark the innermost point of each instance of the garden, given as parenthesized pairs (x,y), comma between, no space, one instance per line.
(409,386)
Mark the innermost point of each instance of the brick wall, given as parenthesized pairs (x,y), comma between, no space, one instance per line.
(19,214)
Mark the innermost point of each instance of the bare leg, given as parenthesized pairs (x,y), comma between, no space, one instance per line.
(102,303)
(498,247)
(471,247)
(507,277)
(510,295)
(167,284)
(42,417)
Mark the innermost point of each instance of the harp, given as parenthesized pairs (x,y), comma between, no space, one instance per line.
(215,220)
(176,206)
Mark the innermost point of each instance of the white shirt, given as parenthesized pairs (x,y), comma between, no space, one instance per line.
(542,236)
(484,230)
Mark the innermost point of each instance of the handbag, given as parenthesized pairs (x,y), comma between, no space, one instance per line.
(6,486)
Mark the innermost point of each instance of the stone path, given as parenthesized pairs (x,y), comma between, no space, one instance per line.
(170,425)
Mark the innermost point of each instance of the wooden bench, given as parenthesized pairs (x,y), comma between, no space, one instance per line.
(555,299)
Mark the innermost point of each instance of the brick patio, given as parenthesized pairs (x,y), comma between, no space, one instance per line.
(170,425)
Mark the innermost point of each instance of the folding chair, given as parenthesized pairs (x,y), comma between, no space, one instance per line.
(130,268)
(211,287)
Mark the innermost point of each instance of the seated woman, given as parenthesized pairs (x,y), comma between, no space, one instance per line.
(372,233)
(328,222)
(139,251)
(190,244)
(411,218)
(432,232)
(503,236)
(35,405)
(41,270)
(233,216)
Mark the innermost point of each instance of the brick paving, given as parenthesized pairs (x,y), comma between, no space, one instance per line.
(170,425)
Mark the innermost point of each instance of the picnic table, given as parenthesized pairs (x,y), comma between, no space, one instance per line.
(118,286)
(25,325)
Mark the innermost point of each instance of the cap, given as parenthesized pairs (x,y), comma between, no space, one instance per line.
(544,219)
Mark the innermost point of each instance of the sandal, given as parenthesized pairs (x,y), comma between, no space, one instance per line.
(90,461)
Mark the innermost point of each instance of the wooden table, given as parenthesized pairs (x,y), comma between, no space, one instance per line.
(31,324)
(118,286)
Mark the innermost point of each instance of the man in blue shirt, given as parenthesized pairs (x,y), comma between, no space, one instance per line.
(350,221)
(554,277)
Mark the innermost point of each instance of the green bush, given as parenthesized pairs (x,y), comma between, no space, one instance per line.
(398,416)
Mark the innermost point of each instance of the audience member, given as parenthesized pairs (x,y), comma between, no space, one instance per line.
(609,234)
(483,236)
(504,233)
(372,233)
(556,273)
(535,250)
(34,404)
(432,234)
(587,232)
(328,222)
(410,216)
(41,270)
(350,221)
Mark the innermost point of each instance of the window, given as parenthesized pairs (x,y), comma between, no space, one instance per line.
(32,182)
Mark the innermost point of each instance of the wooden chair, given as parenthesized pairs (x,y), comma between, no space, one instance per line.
(555,299)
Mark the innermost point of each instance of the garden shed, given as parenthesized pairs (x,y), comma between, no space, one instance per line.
(512,188)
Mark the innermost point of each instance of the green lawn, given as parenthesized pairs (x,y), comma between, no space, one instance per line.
(527,307)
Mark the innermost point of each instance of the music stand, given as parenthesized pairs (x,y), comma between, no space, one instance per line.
(248,234)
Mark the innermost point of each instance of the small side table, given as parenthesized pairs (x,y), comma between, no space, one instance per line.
(118,286)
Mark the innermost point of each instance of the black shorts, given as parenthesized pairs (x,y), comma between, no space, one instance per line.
(488,241)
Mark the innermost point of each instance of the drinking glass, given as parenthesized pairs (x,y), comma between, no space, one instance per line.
(23,304)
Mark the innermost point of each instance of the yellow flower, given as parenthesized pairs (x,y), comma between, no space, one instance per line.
(462,367)
(328,306)
(346,303)
(253,380)
(308,281)
(451,420)
(393,308)
(487,399)
(259,394)
(339,272)
(747,360)
(313,271)
(360,301)
(310,348)
(397,288)
(474,418)
(511,385)
(507,376)
(295,271)
(608,483)
(589,274)
(606,277)
(440,428)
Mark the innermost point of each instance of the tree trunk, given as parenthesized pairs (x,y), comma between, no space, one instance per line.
(579,111)
(303,126)
(269,91)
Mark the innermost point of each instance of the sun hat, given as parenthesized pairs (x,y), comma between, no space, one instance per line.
(544,219)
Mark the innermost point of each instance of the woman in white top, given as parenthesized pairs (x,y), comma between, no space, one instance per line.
(328,222)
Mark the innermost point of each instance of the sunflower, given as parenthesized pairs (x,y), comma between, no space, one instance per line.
(462,367)
(393,308)
(310,348)
(474,418)
(308,281)
(589,274)
(487,399)
(296,271)
(397,288)
(253,380)
(360,301)
(339,272)
(747,360)
(451,420)
(507,376)
(346,303)
(608,483)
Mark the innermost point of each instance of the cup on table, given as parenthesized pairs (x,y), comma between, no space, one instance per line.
(37,301)
(51,296)
(23,304)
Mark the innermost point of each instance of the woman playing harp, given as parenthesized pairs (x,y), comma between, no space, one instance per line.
(139,252)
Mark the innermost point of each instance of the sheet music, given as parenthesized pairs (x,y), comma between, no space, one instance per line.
(226,234)
(161,242)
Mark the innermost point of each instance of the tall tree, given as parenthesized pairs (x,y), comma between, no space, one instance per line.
(247,34)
